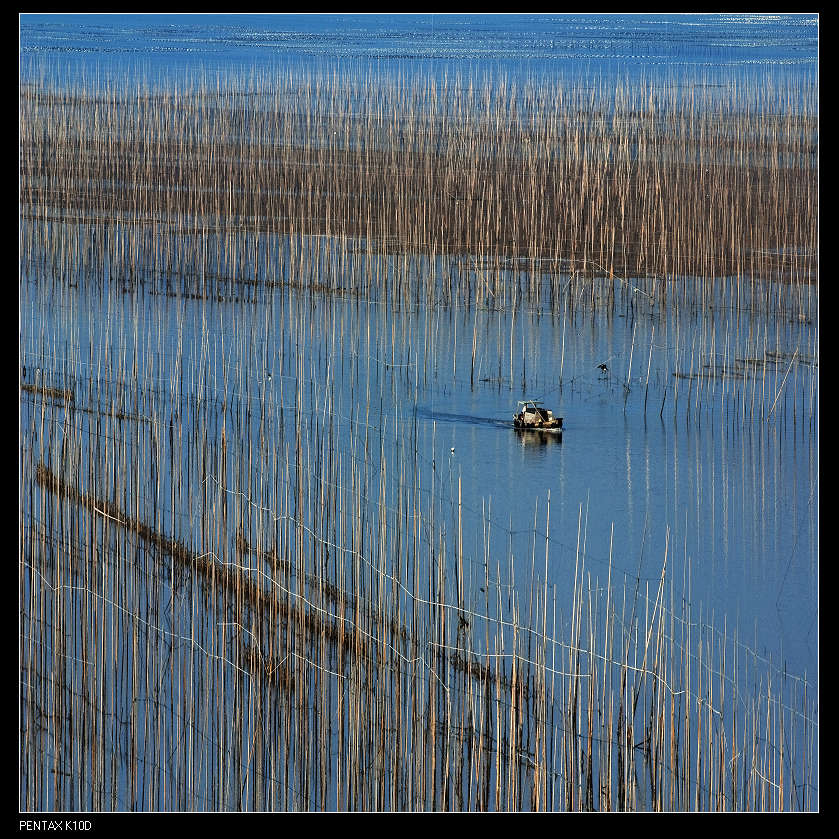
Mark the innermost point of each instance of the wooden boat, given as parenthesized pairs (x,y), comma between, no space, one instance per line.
(532,417)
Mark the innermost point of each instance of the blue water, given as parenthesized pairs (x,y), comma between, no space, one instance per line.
(606,435)
(519,46)
(732,504)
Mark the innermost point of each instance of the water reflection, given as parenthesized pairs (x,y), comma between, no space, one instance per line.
(737,500)
(536,439)
(345,448)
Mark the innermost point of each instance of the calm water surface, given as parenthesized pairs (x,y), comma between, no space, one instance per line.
(522,46)
(733,504)
(717,473)
(739,502)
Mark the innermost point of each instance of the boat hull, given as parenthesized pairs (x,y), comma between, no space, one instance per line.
(521,425)
(536,422)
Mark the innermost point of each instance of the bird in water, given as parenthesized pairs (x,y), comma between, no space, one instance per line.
(602,368)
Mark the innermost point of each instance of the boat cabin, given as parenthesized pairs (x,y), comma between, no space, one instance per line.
(531,414)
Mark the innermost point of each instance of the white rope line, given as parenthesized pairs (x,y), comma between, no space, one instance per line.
(592,654)
(519,658)
(499,621)
(643,671)
(56,588)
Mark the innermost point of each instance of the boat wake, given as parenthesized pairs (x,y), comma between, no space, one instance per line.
(462,419)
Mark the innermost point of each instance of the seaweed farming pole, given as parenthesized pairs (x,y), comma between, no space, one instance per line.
(164,159)
(238,564)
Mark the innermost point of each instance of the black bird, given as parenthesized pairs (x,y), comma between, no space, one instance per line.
(603,368)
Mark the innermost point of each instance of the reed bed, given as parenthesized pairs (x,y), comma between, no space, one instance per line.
(665,201)
(231,602)
(246,583)
(487,191)
(169,679)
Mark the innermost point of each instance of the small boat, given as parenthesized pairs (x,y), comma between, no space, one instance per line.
(532,417)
